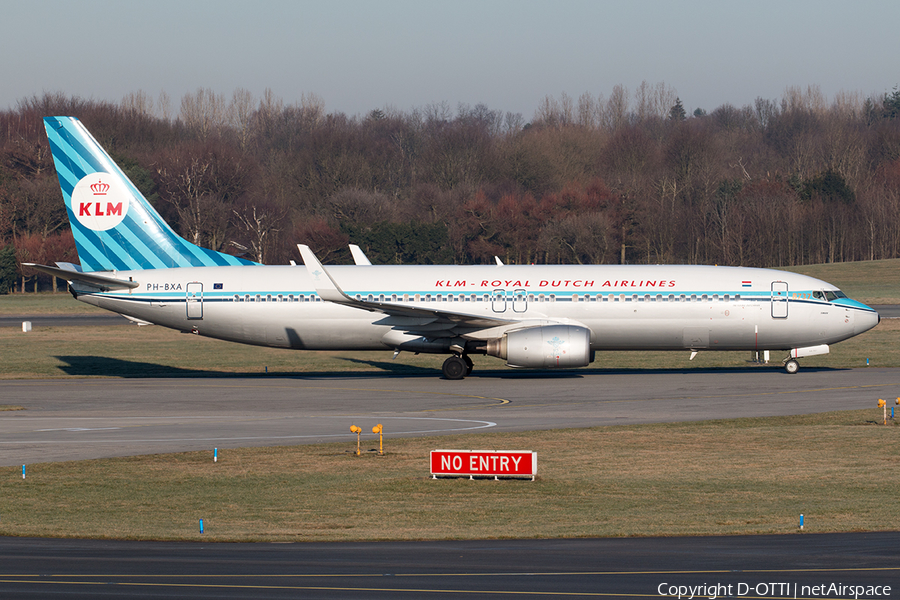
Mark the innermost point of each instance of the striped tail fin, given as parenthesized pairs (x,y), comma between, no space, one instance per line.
(115,227)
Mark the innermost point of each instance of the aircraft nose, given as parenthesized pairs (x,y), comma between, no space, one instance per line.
(866,321)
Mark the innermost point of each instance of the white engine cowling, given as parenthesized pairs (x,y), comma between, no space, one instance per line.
(551,346)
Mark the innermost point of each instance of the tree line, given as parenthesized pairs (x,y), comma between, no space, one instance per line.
(629,178)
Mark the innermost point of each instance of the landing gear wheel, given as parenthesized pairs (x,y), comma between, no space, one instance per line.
(455,368)
(469,364)
(791,366)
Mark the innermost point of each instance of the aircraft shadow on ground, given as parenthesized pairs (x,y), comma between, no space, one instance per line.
(102,366)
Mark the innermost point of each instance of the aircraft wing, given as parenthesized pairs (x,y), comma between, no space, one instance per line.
(102,282)
(416,320)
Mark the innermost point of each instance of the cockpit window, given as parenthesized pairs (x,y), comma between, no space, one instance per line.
(834,295)
(818,295)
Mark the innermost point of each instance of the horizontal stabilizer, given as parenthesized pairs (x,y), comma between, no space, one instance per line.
(99,281)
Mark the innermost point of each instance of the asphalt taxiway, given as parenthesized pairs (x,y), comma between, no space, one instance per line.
(77,419)
(787,566)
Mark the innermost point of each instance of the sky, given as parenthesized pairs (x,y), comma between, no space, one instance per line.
(405,54)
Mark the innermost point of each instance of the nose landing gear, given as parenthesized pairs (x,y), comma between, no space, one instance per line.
(791,366)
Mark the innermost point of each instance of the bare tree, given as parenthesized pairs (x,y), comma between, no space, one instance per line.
(614,112)
(240,113)
(137,103)
(164,106)
(260,221)
(588,111)
(203,111)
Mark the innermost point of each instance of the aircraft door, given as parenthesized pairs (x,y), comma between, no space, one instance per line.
(779,300)
(520,301)
(194,300)
(498,301)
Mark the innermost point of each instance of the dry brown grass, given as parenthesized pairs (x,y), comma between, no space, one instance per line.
(722,477)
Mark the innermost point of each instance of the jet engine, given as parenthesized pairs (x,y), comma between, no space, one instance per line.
(551,346)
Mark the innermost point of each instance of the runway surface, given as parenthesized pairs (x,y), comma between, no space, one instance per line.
(93,418)
(737,567)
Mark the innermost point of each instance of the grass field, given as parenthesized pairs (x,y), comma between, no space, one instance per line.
(719,477)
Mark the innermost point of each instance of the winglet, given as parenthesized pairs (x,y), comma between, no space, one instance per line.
(326,287)
(359,257)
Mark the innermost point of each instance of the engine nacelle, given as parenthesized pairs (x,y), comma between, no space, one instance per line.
(551,346)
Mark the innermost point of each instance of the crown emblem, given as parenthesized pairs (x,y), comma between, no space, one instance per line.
(99,188)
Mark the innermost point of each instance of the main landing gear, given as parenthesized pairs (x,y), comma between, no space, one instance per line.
(457,366)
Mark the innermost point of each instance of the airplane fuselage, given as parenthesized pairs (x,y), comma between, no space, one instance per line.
(652,307)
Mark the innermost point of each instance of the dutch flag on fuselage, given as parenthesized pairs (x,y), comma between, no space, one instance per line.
(115,227)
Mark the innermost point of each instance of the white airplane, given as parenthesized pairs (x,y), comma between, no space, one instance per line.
(533,316)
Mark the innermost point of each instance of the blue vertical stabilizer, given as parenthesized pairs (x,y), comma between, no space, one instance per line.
(115,227)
